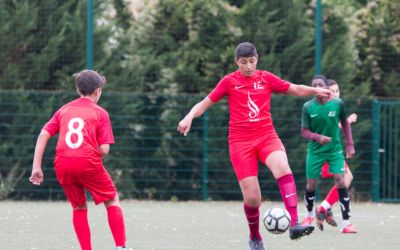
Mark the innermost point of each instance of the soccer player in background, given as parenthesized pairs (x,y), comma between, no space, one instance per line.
(324,212)
(85,135)
(252,136)
(320,125)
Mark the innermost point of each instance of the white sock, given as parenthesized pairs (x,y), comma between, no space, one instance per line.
(325,205)
(311,214)
(345,223)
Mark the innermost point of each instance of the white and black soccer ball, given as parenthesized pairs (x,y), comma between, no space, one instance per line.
(276,220)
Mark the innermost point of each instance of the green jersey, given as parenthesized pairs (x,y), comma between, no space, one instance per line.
(324,119)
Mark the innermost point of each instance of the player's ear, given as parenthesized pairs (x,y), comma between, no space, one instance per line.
(79,93)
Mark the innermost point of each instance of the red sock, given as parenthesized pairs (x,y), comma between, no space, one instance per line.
(253,219)
(333,196)
(287,187)
(81,226)
(117,225)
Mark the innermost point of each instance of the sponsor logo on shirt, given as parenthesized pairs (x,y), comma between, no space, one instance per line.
(313,115)
(239,86)
(254,110)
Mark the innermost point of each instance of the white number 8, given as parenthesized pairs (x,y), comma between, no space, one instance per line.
(77,131)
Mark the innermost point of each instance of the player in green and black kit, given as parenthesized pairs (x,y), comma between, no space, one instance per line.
(320,125)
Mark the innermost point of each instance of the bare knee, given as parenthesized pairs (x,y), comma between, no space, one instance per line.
(80,207)
(340,181)
(112,202)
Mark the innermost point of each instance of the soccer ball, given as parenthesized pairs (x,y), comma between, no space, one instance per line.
(276,220)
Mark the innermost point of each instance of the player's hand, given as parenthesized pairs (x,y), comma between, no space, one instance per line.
(184,125)
(36,177)
(350,151)
(324,140)
(324,93)
(352,118)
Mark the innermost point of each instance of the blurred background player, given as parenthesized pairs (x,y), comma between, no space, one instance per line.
(85,135)
(320,125)
(252,136)
(324,211)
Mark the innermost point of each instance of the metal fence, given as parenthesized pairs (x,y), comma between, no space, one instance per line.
(150,160)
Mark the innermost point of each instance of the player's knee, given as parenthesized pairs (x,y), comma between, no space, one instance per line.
(112,202)
(80,207)
(311,185)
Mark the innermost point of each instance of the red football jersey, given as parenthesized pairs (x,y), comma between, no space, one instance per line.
(249,100)
(82,126)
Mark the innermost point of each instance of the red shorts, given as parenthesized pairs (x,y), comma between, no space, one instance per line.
(76,175)
(246,154)
(325,170)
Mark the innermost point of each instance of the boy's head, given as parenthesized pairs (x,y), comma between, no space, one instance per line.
(319,81)
(246,58)
(245,49)
(88,81)
(334,87)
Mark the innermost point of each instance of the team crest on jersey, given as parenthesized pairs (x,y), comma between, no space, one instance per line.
(332,113)
(257,85)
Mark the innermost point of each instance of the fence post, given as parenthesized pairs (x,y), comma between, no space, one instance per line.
(376,130)
(89,34)
(205,157)
(318,37)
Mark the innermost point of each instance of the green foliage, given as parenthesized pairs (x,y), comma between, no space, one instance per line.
(378,44)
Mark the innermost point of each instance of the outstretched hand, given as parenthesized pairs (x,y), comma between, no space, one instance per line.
(352,118)
(36,177)
(184,126)
(324,93)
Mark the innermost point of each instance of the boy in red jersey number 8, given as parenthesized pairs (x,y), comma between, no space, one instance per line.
(85,135)
(252,136)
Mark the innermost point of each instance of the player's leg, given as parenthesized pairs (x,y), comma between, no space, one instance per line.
(314,164)
(116,221)
(337,166)
(333,197)
(77,197)
(309,199)
(244,162)
(277,162)
(251,203)
(102,189)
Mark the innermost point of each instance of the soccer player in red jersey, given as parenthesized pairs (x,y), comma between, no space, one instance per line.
(324,211)
(85,135)
(252,136)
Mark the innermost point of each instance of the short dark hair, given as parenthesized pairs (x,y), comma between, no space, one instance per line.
(245,49)
(87,81)
(331,82)
(320,77)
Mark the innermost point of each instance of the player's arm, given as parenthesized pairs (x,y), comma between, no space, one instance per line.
(36,177)
(350,151)
(196,111)
(303,90)
(311,136)
(346,128)
(104,149)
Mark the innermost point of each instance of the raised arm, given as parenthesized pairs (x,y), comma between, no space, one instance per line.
(197,110)
(37,175)
(303,90)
